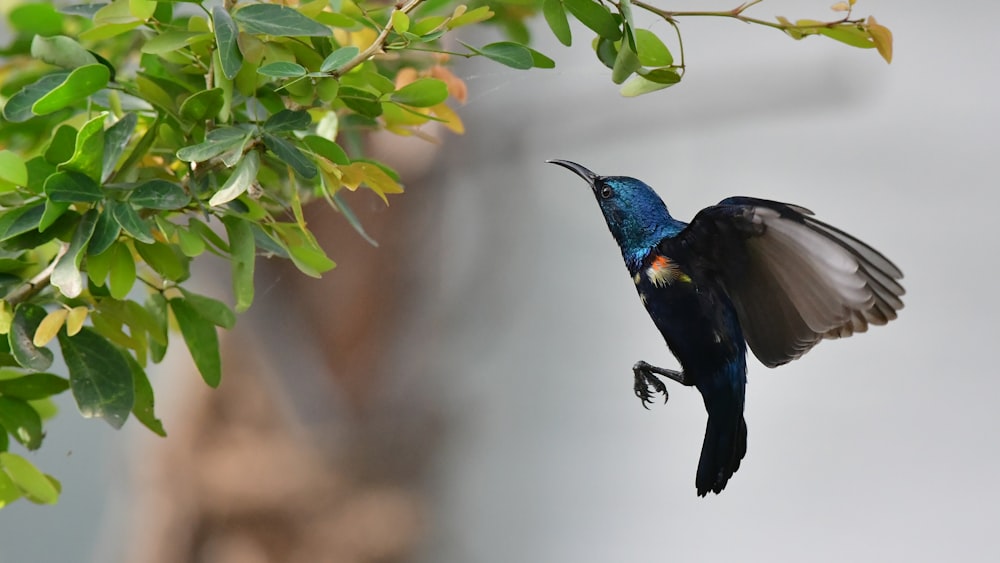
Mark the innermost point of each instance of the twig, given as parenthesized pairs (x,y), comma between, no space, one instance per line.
(737,14)
(379,42)
(36,284)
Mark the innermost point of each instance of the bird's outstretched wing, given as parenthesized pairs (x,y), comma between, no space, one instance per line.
(794,280)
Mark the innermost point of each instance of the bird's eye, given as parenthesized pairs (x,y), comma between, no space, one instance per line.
(606,192)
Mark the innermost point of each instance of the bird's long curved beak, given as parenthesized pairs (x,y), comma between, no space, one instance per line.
(580,171)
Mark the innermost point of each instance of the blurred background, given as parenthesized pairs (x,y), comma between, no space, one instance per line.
(463,393)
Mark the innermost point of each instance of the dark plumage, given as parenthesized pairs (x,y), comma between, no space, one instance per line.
(745,271)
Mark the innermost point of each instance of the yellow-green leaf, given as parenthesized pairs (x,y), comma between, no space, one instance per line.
(75,319)
(122,274)
(49,327)
(13,172)
(28,478)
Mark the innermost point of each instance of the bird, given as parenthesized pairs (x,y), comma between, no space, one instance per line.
(745,272)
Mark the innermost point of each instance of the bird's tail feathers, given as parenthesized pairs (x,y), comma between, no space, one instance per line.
(725,441)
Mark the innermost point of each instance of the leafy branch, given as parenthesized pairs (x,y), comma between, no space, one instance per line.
(398,14)
(641,61)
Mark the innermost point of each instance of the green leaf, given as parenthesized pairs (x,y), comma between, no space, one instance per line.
(53,211)
(400,21)
(352,219)
(208,235)
(159,194)
(596,17)
(33,386)
(18,107)
(122,275)
(131,222)
(626,63)
(539,60)
(555,16)
(173,40)
(116,138)
(506,53)
(27,317)
(29,479)
(20,220)
(422,93)
(305,253)
(212,310)
(165,260)
(13,172)
(78,86)
(201,339)
(280,21)
(61,145)
(652,51)
(243,254)
(156,304)
(639,84)
(39,18)
(288,120)
(217,142)
(190,244)
(66,273)
(225,38)
(21,421)
(46,408)
(88,155)
(291,155)
(324,148)
(476,15)
(606,51)
(849,34)
(142,148)
(60,50)
(99,376)
(239,181)
(361,101)
(72,187)
(9,492)
(203,105)
(668,76)
(144,398)
(282,69)
(105,233)
(338,58)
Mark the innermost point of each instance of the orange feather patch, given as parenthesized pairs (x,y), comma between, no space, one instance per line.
(663,272)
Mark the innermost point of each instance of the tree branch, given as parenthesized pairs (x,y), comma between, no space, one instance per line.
(379,42)
(36,284)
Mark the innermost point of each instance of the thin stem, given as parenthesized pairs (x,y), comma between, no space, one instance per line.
(680,43)
(379,42)
(35,285)
(737,14)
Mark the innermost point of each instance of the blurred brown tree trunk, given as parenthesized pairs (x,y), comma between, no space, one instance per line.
(314,447)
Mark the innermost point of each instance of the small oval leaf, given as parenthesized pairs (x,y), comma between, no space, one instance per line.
(49,327)
(282,69)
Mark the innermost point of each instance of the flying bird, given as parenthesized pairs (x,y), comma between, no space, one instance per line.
(744,272)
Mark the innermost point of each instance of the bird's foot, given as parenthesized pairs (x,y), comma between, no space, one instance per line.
(645,378)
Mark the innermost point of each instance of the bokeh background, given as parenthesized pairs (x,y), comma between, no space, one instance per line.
(463,393)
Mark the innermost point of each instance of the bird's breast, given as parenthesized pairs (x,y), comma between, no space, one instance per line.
(660,271)
(692,314)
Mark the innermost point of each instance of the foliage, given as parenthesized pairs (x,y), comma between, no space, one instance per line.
(137,135)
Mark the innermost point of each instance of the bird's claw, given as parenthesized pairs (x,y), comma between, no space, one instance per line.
(644,379)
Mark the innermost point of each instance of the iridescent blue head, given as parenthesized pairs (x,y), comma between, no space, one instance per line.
(636,216)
